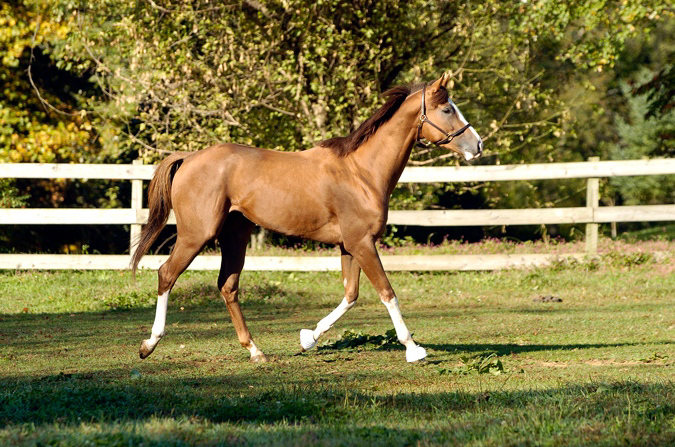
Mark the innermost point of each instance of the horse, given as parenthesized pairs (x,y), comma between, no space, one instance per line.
(336,193)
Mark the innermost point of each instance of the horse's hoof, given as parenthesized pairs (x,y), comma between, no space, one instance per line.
(260,358)
(145,350)
(415,354)
(307,339)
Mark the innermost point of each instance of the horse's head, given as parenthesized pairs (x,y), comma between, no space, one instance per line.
(442,123)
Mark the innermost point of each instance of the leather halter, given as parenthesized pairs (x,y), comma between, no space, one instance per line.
(448,136)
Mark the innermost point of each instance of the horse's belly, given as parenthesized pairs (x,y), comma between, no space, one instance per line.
(291,221)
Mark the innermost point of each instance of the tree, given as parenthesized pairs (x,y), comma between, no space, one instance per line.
(182,74)
(31,130)
(640,136)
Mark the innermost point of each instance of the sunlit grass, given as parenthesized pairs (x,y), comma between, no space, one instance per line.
(593,369)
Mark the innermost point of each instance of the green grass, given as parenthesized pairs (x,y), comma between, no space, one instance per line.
(664,232)
(594,369)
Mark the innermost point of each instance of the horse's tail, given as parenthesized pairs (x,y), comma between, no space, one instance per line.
(159,202)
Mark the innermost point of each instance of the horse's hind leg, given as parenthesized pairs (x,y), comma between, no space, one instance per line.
(185,250)
(233,239)
(350,277)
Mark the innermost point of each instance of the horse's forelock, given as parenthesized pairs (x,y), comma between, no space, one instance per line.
(440,96)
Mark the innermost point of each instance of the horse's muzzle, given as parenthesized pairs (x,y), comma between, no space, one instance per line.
(469,155)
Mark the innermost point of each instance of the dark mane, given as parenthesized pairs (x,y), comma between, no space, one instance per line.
(342,146)
(345,145)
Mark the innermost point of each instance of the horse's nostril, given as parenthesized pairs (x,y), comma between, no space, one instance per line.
(480,147)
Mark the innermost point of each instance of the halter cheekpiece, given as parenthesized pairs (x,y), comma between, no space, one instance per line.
(448,136)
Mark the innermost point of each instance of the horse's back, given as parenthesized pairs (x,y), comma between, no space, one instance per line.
(287,192)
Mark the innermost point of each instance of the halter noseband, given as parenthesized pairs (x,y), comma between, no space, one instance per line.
(448,137)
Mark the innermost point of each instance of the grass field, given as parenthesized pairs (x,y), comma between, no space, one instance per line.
(507,364)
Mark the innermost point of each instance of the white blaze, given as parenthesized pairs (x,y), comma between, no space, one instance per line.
(467,155)
(464,123)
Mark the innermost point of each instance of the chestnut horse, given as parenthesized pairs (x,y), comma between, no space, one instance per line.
(336,193)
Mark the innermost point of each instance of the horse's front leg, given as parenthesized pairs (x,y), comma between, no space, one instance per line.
(365,254)
(350,278)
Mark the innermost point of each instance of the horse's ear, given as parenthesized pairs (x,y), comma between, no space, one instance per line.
(445,78)
(440,82)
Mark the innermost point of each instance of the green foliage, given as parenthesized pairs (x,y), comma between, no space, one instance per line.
(641,136)
(123,79)
(488,363)
(356,339)
(655,358)
(130,300)
(29,132)
(10,197)
(389,238)
(179,76)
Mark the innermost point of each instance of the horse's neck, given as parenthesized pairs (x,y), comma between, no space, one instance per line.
(384,156)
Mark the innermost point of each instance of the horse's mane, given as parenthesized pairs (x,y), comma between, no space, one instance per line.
(342,146)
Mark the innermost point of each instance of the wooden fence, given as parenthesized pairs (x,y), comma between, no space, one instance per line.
(135,216)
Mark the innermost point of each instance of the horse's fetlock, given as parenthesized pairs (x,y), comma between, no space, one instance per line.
(351,296)
(387,296)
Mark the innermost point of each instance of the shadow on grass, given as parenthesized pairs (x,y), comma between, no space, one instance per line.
(34,332)
(314,414)
(511,348)
(131,315)
(73,398)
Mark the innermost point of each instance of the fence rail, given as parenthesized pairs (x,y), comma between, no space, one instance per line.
(490,173)
(430,218)
(135,216)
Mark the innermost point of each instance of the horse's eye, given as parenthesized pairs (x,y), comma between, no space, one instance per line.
(448,110)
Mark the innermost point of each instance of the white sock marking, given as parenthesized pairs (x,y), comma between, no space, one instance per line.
(402,332)
(413,352)
(160,319)
(253,349)
(308,337)
(329,320)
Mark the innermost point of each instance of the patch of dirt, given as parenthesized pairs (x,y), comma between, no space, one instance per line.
(547,299)
(600,362)
(555,364)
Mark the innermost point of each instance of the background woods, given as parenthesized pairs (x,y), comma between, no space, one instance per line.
(111,81)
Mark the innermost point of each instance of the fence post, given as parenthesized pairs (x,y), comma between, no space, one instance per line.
(137,206)
(592,201)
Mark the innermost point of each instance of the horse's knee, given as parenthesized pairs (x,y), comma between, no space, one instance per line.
(230,297)
(229,292)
